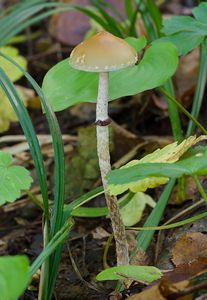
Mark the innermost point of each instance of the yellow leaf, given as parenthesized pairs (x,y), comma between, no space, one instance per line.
(7,113)
(169,154)
(132,212)
(12,72)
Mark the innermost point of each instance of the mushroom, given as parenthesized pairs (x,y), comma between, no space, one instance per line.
(104,53)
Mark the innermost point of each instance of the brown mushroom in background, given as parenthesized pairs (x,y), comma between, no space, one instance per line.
(71,27)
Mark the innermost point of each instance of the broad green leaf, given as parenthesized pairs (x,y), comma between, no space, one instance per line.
(169,154)
(13,73)
(187,32)
(183,23)
(122,179)
(65,86)
(13,179)
(184,41)
(132,212)
(14,276)
(140,273)
(200,12)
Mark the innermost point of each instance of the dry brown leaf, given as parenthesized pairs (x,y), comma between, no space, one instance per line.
(100,233)
(71,27)
(149,294)
(171,286)
(186,76)
(189,248)
(163,290)
(186,271)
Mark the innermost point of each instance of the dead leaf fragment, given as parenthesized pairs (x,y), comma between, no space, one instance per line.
(152,293)
(189,248)
(70,27)
(186,76)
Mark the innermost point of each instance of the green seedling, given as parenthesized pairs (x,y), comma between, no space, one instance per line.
(187,32)
(139,273)
(14,276)
(13,179)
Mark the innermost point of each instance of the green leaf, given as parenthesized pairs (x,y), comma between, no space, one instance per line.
(185,32)
(183,23)
(14,276)
(7,114)
(13,73)
(94,212)
(140,273)
(13,179)
(65,86)
(184,41)
(124,179)
(132,212)
(137,44)
(169,154)
(200,12)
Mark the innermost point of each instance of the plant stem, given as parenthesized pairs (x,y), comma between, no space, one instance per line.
(144,238)
(180,106)
(173,112)
(56,241)
(102,130)
(200,188)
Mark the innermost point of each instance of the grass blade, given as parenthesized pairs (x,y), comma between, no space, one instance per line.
(57,218)
(144,238)
(200,87)
(180,106)
(29,132)
(173,111)
(57,240)
(114,27)
(173,225)
(155,15)
(58,150)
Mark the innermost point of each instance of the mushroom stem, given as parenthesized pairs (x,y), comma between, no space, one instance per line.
(102,130)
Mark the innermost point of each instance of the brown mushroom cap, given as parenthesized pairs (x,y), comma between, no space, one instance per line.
(103,52)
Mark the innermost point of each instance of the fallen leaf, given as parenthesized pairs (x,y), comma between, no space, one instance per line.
(189,248)
(186,76)
(149,294)
(12,72)
(174,282)
(72,26)
(163,290)
(100,233)
(132,212)
(7,113)
(170,154)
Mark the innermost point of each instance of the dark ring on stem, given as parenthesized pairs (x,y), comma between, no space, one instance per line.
(103,123)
